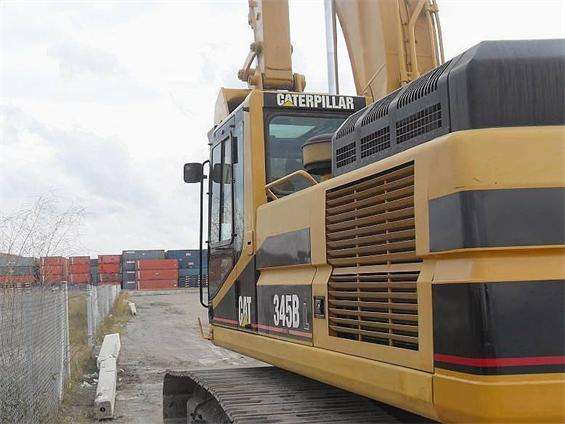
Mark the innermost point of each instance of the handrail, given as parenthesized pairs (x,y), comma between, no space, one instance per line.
(299,173)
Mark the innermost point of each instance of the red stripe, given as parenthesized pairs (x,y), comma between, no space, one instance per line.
(284,331)
(500,362)
(225,320)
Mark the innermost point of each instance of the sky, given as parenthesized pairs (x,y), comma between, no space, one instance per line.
(103,102)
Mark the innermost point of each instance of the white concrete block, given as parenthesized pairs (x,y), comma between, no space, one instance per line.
(110,348)
(106,389)
(132,308)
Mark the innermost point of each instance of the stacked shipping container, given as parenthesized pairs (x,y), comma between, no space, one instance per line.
(53,269)
(129,259)
(109,269)
(18,270)
(157,274)
(189,262)
(79,269)
(94,280)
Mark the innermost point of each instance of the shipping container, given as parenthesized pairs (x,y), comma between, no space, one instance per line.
(107,278)
(79,267)
(183,272)
(181,254)
(154,274)
(79,278)
(53,260)
(129,285)
(129,275)
(147,264)
(157,284)
(73,260)
(18,270)
(187,263)
(17,279)
(142,254)
(94,278)
(109,268)
(109,259)
(15,260)
(128,264)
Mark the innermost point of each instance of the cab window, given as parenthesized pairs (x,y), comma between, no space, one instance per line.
(285,135)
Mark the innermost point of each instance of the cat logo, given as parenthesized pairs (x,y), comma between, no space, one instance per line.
(315,101)
(244,311)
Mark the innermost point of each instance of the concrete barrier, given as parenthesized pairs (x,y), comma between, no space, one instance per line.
(132,308)
(107,377)
(110,348)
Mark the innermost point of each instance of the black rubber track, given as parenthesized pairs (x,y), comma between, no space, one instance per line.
(272,395)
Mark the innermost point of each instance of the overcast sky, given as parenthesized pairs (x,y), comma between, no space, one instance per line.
(102,102)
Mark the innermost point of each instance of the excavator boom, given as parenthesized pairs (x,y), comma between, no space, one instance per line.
(390,42)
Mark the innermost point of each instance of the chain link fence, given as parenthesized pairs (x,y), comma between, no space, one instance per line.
(99,303)
(34,352)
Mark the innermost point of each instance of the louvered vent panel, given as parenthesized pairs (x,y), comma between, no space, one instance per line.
(345,155)
(371,244)
(422,122)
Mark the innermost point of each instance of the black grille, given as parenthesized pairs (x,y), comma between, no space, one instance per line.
(422,86)
(379,109)
(345,155)
(375,142)
(349,125)
(419,123)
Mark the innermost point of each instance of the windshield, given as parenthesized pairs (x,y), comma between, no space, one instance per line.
(285,136)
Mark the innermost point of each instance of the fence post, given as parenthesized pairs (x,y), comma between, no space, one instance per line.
(89,316)
(60,299)
(67,334)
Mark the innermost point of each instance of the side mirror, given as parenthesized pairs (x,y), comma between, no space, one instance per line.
(193,172)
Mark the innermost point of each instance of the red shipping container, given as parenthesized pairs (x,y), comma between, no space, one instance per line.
(79,278)
(75,260)
(52,260)
(157,284)
(52,279)
(52,269)
(16,279)
(79,268)
(109,259)
(161,274)
(144,264)
(109,268)
(105,278)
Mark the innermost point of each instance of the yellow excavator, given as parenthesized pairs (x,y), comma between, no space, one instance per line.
(398,255)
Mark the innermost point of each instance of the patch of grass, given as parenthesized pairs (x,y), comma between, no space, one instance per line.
(115,322)
(76,402)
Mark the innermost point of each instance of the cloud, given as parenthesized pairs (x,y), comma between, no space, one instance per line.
(37,157)
(76,60)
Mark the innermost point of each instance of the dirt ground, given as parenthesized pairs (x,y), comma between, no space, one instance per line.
(163,335)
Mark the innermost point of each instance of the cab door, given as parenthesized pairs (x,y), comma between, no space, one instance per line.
(226,227)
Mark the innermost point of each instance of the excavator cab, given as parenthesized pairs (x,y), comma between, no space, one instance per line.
(255,157)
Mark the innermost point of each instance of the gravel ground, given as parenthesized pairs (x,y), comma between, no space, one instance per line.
(164,335)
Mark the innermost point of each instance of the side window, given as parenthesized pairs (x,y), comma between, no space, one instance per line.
(237,157)
(221,208)
(226,214)
(216,202)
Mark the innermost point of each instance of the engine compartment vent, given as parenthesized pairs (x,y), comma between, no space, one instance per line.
(371,244)
(495,84)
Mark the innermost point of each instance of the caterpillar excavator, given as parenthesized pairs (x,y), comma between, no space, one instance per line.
(398,255)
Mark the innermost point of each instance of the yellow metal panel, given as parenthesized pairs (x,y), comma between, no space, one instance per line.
(302,275)
(500,266)
(533,398)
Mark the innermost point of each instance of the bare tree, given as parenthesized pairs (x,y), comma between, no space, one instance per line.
(34,318)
